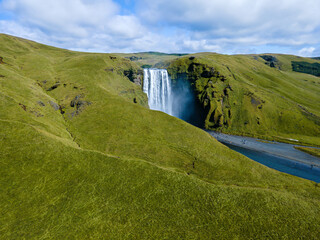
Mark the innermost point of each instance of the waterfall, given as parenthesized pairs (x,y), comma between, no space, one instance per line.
(157,86)
(174,98)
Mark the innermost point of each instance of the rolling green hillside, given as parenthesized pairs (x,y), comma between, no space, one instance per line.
(264,95)
(82,157)
(151,59)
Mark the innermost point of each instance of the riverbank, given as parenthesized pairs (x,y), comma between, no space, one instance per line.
(283,150)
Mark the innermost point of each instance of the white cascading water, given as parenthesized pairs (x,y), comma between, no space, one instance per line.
(157,86)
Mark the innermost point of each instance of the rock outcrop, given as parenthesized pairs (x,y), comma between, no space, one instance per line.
(54,105)
(57,84)
(134,75)
(78,104)
(271,61)
(211,89)
(134,58)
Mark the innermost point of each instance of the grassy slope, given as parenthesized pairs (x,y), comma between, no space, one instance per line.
(119,170)
(287,100)
(312,151)
(153,59)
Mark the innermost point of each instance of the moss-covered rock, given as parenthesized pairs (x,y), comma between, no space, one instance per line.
(271,61)
(211,88)
(135,75)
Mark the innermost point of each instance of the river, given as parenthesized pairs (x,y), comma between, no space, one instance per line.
(279,156)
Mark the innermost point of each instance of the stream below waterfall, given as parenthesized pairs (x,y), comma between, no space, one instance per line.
(279,156)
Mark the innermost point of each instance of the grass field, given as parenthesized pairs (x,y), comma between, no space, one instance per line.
(151,59)
(82,157)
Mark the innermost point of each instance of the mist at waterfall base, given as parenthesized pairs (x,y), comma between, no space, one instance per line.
(175,98)
(185,105)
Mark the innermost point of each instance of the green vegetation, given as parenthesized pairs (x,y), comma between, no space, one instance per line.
(253,95)
(305,67)
(81,156)
(146,66)
(150,59)
(164,54)
(312,151)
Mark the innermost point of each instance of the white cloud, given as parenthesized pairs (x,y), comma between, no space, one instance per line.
(61,15)
(306,51)
(228,26)
(13,28)
(74,17)
(270,20)
(200,45)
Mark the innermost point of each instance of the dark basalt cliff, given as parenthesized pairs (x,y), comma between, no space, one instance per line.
(211,91)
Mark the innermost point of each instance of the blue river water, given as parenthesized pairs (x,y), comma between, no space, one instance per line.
(281,164)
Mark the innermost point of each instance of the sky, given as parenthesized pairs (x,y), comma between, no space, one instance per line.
(170,26)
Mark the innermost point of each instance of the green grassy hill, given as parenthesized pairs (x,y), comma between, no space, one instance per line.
(151,59)
(82,157)
(264,96)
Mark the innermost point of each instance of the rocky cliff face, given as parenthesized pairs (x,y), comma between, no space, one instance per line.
(211,90)
(134,75)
